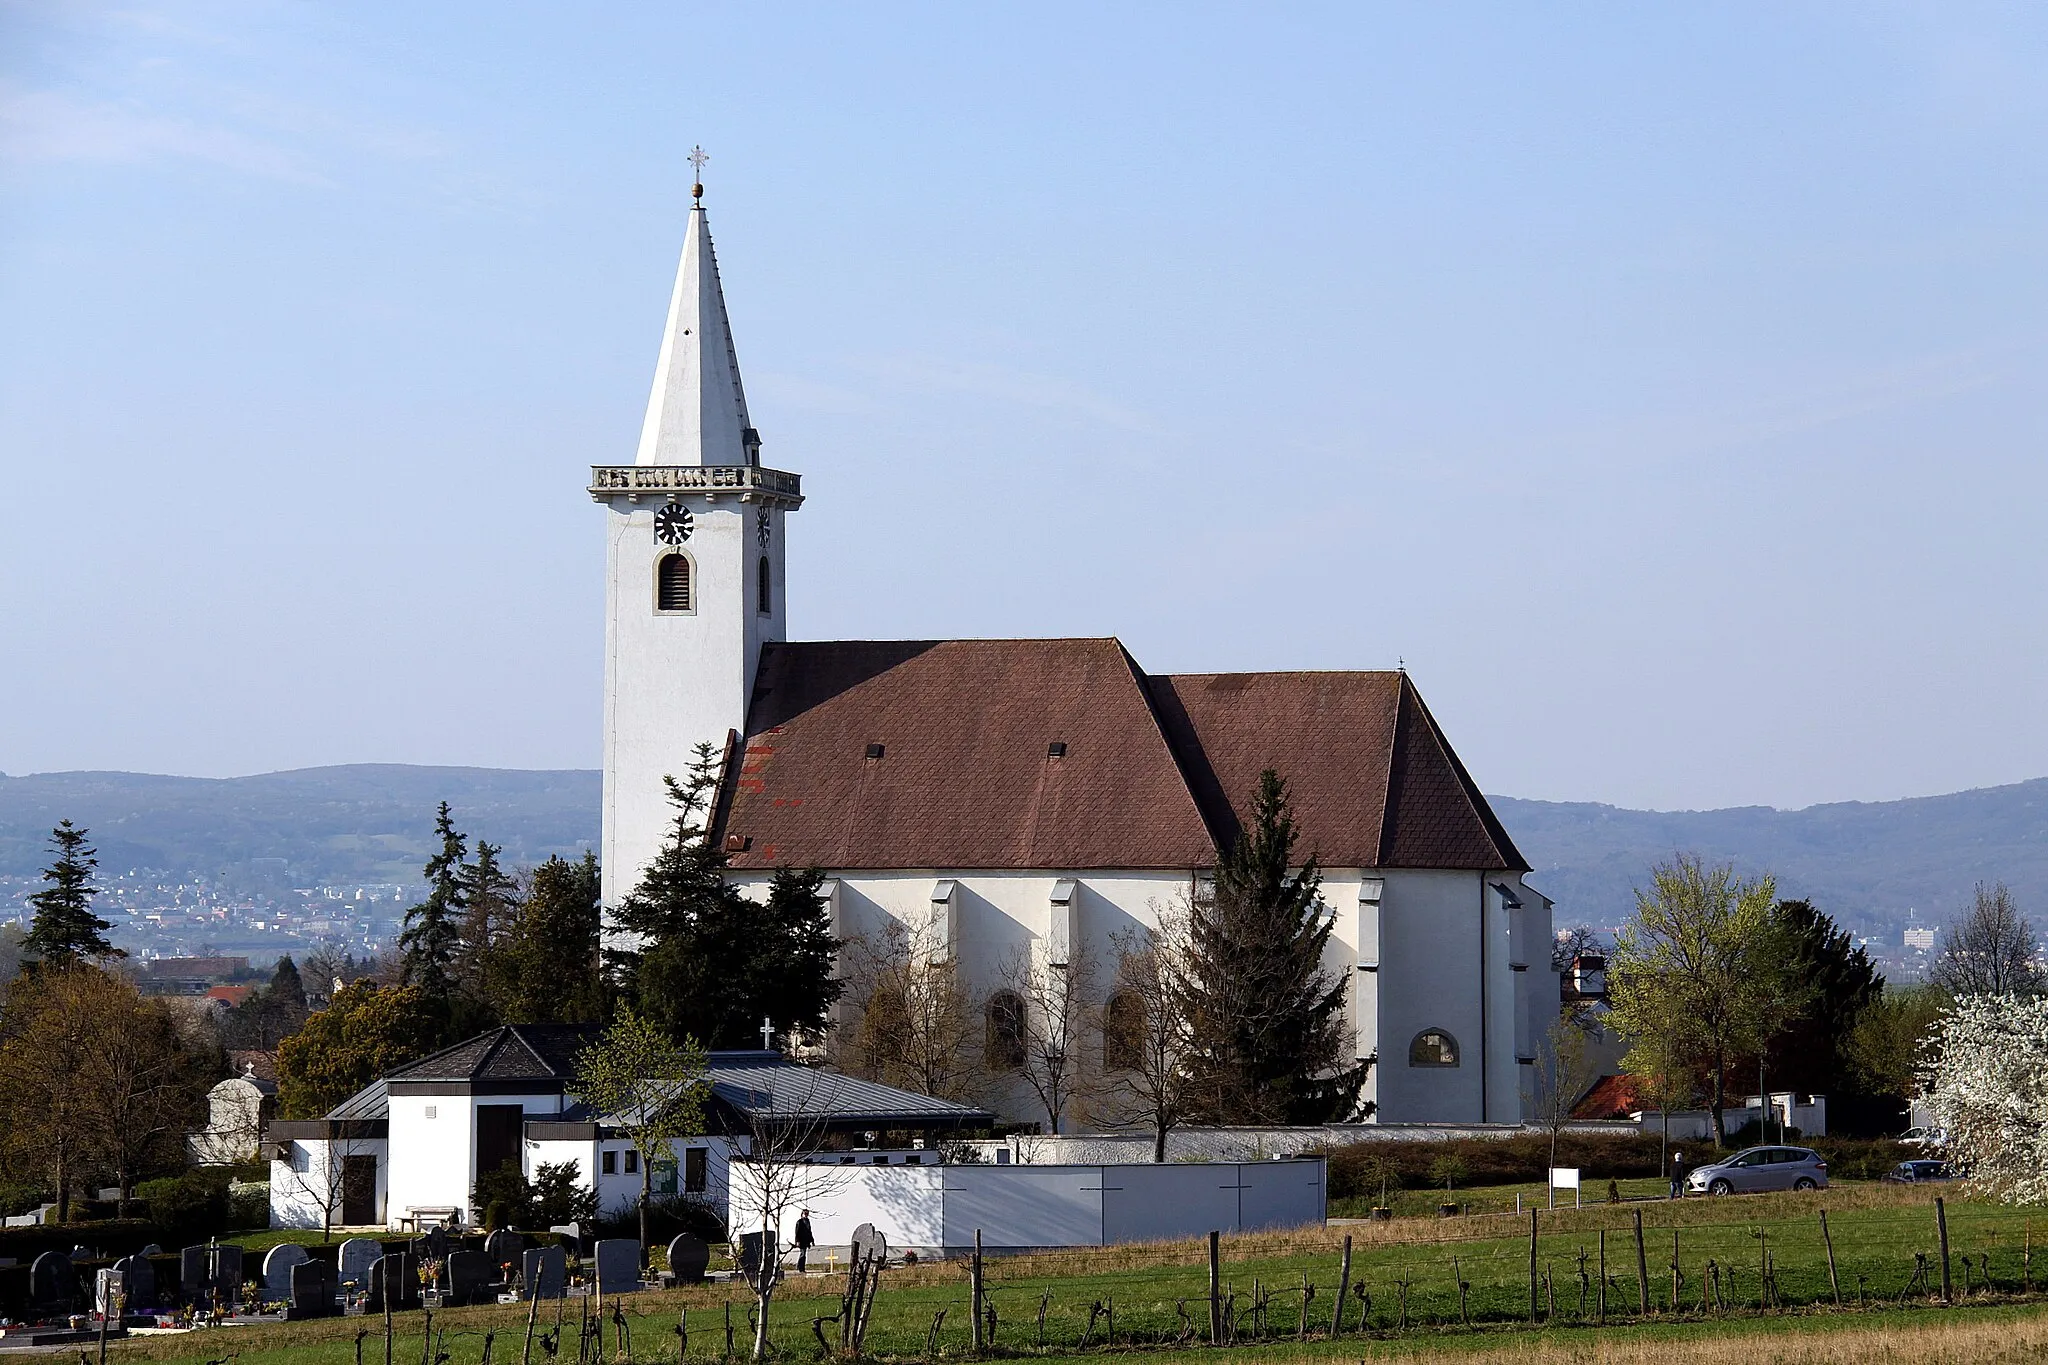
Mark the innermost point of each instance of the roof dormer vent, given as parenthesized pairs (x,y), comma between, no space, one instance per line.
(1056,749)
(874,751)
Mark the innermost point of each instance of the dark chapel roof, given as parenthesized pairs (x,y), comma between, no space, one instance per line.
(1064,754)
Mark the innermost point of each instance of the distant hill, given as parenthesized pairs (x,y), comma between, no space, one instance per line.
(364,822)
(1867,863)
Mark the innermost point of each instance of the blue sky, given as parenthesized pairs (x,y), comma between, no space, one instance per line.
(1662,383)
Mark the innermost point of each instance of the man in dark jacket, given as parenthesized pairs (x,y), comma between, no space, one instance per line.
(804,1240)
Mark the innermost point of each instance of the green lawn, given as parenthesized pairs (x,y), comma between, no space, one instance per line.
(1877,1231)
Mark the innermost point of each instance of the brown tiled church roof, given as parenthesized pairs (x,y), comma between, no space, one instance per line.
(940,755)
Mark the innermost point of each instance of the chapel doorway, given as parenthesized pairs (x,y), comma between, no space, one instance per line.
(498,1133)
(358,1191)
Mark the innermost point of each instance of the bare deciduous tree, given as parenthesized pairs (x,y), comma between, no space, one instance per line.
(914,1023)
(1144,1030)
(1988,949)
(780,1173)
(1565,1070)
(1057,999)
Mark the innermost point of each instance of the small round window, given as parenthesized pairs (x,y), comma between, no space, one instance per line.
(1433,1047)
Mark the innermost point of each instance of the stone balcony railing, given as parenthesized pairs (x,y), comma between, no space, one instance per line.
(637,480)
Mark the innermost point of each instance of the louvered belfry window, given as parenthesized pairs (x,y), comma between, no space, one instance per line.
(672,583)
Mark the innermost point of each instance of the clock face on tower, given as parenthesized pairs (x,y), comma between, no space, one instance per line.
(761,526)
(672,523)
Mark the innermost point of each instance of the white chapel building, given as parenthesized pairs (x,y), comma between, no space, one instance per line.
(1043,795)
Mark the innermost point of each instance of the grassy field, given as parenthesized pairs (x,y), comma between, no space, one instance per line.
(1877,1232)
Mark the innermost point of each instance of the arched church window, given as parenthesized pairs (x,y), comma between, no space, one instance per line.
(1433,1047)
(1004,1040)
(672,583)
(765,598)
(1123,1032)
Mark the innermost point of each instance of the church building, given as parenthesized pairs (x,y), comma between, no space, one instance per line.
(1044,798)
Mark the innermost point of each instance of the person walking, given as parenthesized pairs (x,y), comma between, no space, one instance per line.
(804,1239)
(1679,1171)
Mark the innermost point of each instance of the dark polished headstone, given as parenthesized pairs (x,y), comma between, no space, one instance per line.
(195,1278)
(544,1273)
(52,1282)
(467,1277)
(138,1279)
(618,1265)
(757,1250)
(687,1258)
(312,1291)
(503,1247)
(227,1270)
(394,1275)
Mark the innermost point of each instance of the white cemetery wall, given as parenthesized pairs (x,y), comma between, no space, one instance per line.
(935,1208)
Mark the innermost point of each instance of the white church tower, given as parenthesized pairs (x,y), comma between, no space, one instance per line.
(694,567)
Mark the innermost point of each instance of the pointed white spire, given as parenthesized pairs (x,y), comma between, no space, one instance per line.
(697,414)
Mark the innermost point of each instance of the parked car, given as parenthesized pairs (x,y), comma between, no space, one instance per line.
(1920,1171)
(1756,1169)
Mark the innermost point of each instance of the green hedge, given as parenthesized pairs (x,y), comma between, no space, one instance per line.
(1355,1167)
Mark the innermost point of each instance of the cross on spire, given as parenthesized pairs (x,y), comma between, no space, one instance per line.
(767,1034)
(698,156)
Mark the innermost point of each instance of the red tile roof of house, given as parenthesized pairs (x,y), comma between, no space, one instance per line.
(233,995)
(1154,771)
(1612,1097)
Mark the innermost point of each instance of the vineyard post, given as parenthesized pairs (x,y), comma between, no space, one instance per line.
(1827,1238)
(1642,1270)
(1941,1226)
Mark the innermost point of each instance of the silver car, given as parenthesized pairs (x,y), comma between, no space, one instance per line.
(1761,1168)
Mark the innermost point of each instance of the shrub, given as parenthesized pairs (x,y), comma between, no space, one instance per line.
(188,1208)
(505,1197)
(558,1198)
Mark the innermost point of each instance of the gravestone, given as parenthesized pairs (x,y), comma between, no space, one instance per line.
(466,1278)
(312,1291)
(395,1275)
(503,1247)
(544,1273)
(757,1250)
(195,1282)
(227,1271)
(433,1243)
(277,1269)
(687,1257)
(869,1244)
(110,1294)
(618,1265)
(151,1250)
(52,1283)
(571,1234)
(353,1264)
(138,1278)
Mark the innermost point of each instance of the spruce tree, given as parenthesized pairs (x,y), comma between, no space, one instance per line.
(553,973)
(433,928)
(1266,1020)
(65,930)
(702,960)
(489,905)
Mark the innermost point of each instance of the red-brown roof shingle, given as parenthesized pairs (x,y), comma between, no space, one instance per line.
(1154,775)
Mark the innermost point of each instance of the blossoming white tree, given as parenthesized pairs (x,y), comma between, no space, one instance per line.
(1986,1082)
